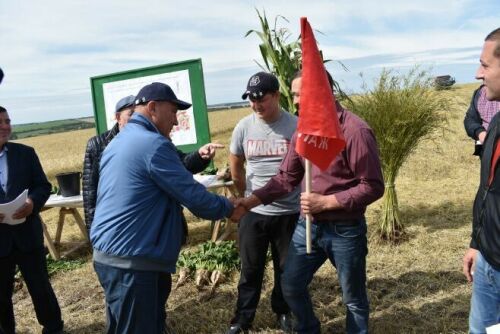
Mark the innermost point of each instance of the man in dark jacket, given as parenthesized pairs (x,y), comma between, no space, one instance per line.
(90,179)
(481,262)
(478,117)
(21,244)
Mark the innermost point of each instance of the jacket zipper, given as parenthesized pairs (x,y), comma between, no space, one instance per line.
(481,214)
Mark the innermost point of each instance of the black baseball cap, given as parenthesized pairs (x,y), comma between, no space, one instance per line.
(1,75)
(158,91)
(259,84)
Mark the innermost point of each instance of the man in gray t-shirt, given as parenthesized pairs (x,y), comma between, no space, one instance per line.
(261,140)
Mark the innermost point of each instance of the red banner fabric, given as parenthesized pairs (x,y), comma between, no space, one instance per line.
(319,138)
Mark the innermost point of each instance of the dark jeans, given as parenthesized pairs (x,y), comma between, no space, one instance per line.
(135,300)
(256,232)
(345,245)
(33,267)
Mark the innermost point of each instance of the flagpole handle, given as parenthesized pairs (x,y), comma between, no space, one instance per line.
(308,216)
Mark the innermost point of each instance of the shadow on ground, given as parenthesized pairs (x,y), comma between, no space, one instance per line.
(446,215)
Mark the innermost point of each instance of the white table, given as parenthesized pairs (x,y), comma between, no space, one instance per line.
(66,205)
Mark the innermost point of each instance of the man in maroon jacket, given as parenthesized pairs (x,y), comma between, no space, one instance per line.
(338,201)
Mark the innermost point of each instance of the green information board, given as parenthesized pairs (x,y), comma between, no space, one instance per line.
(186,80)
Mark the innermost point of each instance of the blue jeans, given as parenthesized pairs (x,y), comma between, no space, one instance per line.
(485,301)
(135,300)
(345,245)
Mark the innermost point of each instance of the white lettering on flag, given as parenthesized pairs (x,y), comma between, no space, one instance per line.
(323,143)
(313,140)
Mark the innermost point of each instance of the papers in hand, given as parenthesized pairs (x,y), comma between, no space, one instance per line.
(495,329)
(8,209)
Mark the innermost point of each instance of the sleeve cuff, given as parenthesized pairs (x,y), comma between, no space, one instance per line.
(478,131)
(263,195)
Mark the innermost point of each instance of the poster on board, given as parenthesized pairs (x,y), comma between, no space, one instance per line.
(186,80)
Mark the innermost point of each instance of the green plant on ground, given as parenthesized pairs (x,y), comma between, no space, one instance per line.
(212,261)
(62,265)
(402,110)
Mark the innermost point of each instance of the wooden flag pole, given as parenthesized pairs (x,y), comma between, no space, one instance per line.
(308,216)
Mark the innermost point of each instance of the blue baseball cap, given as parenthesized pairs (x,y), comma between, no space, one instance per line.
(158,91)
(126,102)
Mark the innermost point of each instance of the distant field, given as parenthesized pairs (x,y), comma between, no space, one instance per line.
(415,287)
(36,129)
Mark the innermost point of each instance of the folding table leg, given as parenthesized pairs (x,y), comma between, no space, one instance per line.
(48,240)
(80,223)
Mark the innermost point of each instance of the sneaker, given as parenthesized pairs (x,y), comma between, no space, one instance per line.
(236,329)
(285,322)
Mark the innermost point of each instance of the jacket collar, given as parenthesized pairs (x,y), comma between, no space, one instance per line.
(113,132)
(137,118)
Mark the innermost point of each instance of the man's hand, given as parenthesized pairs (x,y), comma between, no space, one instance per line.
(469,263)
(312,203)
(25,210)
(250,202)
(481,136)
(207,151)
(2,216)
(239,209)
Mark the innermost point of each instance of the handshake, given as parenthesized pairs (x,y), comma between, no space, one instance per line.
(242,206)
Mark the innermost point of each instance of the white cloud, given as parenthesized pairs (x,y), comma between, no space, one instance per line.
(54,46)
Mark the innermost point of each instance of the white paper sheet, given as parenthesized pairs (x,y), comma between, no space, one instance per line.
(206,180)
(495,329)
(8,209)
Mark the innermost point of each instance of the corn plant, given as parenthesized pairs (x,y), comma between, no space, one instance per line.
(402,110)
(283,58)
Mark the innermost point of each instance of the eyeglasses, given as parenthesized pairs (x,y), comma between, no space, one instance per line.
(259,99)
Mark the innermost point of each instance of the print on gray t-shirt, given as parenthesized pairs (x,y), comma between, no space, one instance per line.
(264,146)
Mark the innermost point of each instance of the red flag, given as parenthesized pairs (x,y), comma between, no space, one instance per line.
(319,136)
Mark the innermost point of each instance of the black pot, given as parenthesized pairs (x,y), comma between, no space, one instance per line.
(69,183)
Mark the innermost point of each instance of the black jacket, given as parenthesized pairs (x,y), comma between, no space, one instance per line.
(90,179)
(25,172)
(486,212)
(472,121)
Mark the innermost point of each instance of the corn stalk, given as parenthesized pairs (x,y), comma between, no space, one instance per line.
(282,58)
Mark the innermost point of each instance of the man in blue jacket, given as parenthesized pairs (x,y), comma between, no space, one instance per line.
(137,229)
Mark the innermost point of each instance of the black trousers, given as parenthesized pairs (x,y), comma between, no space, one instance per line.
(33,267)
(256,233)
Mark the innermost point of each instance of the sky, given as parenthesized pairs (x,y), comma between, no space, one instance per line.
(50,49)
